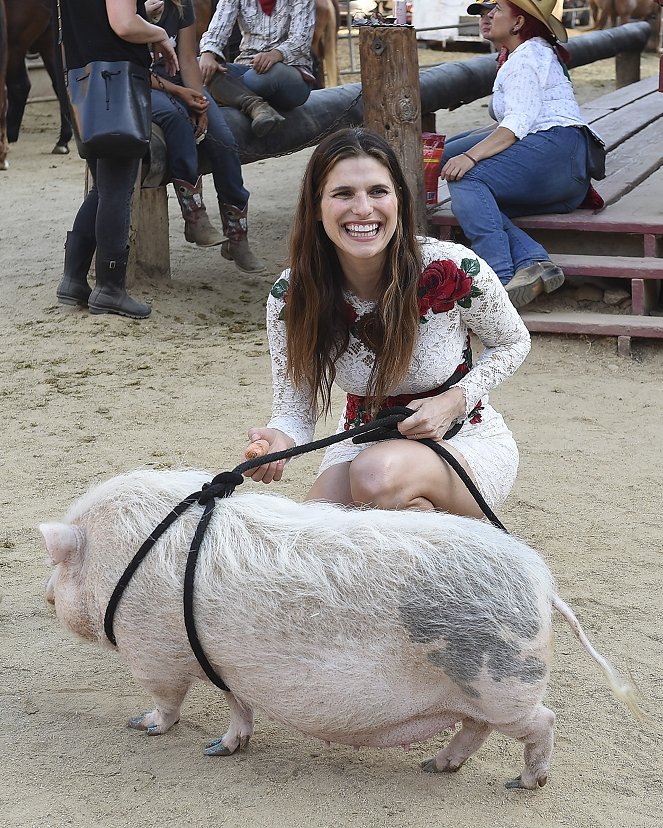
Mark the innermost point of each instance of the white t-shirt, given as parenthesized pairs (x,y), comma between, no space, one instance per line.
(531,92)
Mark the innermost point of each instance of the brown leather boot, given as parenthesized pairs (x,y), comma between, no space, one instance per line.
(197,226)
(228,91)
(236,248)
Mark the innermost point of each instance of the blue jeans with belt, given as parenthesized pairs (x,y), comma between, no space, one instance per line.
(544,172)
(282,86)
(219,146)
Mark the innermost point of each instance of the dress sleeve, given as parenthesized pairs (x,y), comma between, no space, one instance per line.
(492,317)
(297,46)
(219,29)
(522,91)
(292,411)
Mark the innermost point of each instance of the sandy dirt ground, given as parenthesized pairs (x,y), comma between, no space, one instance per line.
(85,397)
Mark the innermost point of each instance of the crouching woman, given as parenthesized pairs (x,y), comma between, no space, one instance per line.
(535,161)
(386,316)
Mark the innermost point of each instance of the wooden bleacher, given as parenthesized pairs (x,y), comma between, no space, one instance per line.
(623,241)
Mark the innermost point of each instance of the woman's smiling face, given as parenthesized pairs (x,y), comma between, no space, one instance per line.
(359,209)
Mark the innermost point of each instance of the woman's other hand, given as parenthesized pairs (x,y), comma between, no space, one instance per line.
(456,167)
(154,8)
(434,415)
(165,49)
(264,61)
(194,101)
(276,441)
(201,126)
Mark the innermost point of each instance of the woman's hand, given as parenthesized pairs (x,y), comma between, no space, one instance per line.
(434,415)
(201,126)
(194,101)
(209,66)
(264,61)
(164,48)
(276,441)
(153,9)
(456,167)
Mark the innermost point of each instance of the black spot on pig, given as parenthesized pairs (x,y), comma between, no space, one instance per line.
(474,634)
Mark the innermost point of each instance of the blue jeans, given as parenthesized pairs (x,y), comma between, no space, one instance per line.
(219,146)
(544,172)
(282,86)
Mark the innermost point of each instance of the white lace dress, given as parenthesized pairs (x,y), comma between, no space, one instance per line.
(442,347)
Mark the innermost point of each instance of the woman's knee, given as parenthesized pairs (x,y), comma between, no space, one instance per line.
(376,479)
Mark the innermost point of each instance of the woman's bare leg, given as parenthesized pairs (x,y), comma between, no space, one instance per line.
(402,474)
(398,474)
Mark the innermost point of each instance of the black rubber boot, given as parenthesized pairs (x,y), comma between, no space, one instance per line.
(228,91)
(74,288)
(110,294)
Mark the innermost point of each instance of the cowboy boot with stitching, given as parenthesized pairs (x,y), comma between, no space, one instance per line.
(110,294)
(531,281)
(236,248)
(78,252)
(197,226)
(228,91)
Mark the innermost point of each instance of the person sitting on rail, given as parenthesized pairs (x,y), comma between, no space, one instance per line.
(274,69)
(534,161)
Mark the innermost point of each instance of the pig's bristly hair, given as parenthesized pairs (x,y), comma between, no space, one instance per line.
(316,571)
(289,560)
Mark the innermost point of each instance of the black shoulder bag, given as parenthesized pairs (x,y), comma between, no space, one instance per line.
(110,104)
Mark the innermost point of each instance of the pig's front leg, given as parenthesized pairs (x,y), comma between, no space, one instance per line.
(239,730)
(463,744)
(168,699)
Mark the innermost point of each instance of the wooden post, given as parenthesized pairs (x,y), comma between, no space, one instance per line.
(627,68)
(392,106)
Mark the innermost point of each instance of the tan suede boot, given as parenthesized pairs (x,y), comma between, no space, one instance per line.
(197,227)
(236,248)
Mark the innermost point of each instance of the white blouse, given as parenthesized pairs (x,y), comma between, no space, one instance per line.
(531,92)
(438,351)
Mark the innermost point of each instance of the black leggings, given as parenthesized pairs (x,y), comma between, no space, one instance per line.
(105,213)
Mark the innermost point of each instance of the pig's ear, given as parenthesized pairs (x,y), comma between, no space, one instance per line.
(62,540)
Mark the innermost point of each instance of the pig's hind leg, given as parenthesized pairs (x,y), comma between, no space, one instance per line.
(536,732)
(168,699)
(239,730)
(463,744)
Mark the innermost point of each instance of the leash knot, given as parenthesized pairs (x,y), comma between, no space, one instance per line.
(223,485)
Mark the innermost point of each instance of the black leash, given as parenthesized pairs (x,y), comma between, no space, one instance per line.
(384,427)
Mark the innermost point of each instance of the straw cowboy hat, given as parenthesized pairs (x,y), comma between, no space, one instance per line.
(542,10)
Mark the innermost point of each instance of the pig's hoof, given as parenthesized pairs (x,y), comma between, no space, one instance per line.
(430,766)
(146,723)
(217,748)
(519,783)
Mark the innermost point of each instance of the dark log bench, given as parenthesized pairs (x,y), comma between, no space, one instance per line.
(623,241)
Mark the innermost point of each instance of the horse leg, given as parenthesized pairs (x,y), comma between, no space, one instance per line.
(44,46)
(18,89)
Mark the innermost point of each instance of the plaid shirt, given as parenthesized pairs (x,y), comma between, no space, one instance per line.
(289,29)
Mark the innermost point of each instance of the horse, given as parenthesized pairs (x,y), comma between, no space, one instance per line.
(608,13)
(4,144)
(30,29)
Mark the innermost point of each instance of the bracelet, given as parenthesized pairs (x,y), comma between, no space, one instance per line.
(473,160)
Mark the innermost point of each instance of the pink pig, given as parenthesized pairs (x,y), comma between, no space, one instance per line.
(363,627)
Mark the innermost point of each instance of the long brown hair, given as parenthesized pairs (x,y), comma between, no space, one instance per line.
(318,324)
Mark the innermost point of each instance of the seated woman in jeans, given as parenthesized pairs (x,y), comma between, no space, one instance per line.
(535,161)
(274,67)
(189,117)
